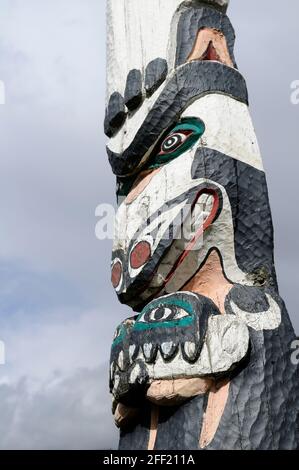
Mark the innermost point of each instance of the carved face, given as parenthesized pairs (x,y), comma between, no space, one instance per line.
(172,212)
(171,338)
(187,162)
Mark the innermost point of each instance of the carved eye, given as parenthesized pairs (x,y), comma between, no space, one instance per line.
(179,140)
(163,314)
(174,141)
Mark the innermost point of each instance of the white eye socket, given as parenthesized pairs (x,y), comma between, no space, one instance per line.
(163,314)
(173,142)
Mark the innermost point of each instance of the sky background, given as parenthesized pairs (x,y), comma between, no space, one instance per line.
(58,311)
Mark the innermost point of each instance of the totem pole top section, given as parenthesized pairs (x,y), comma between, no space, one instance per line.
(140,31)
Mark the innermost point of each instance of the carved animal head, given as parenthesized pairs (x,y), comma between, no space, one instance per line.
(179,335)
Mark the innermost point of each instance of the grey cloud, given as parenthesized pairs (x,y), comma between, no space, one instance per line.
(62,414)
(54,172)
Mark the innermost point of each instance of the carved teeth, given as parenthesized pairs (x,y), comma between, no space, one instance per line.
(133,352)
(120,360)
(168,350)
(112,369)
(149,352)
(112,373)
(116,384)
(189,350)
(135,374)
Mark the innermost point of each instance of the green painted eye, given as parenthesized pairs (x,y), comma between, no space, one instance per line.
(166,314)
(180,139)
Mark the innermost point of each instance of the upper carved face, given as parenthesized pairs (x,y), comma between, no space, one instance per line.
(179,139)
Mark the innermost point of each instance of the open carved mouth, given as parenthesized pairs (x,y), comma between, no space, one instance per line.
(210,44)
(132,272)
(211,53)
(206,208)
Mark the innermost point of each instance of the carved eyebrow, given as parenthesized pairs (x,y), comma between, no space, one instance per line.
(190,81)
(133,92)
(116,112)
(155,75)
(115,115)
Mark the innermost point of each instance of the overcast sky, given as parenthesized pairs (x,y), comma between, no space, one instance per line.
(57,309)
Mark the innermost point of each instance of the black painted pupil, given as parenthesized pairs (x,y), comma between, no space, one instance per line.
(172,142)
(159,313)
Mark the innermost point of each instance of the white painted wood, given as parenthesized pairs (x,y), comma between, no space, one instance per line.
(138,32)
(229,128)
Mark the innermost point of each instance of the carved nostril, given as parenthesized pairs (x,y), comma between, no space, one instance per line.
(116,274)
(140,254)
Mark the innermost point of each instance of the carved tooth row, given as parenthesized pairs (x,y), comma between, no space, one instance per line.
(168,350)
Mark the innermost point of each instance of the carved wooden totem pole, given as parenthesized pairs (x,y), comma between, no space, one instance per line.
(205,360)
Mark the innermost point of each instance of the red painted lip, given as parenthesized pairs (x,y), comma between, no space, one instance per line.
(199,232)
